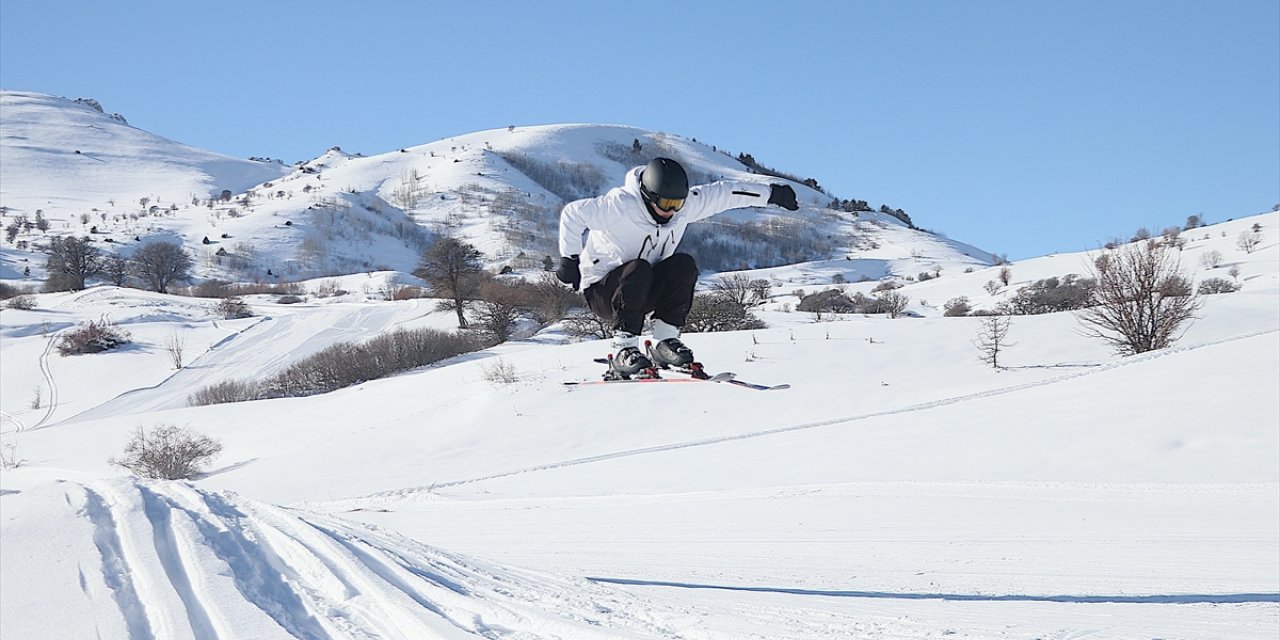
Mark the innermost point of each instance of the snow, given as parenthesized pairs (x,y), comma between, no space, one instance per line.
(899,489)
(111,160)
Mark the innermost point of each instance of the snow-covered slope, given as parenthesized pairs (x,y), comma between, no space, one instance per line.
(900,489)
(68,158)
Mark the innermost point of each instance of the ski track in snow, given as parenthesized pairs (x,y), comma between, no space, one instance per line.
(1184,598)
(115,568)
(383,497)
(52,404)
(179,562)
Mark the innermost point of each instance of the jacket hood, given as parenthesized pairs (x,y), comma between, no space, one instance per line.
(632,181)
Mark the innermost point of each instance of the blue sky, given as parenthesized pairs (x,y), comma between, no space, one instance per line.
(1024,127)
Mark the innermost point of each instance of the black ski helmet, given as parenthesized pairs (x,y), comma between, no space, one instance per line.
(664,178)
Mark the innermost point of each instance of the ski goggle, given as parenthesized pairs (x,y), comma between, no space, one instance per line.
(668,204)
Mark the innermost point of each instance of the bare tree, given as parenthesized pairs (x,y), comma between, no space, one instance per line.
(585,324)
(734,286)
(71,261)
(893,303)
(9,455)
(452,267)
(993,339)
(159,264)
(175,345)
(1249,239)
(116,269)
(1141,298)
(498,310)
(719,312)
(760,289)
(409,193)
(548,299)
(168,452)
(1211,259)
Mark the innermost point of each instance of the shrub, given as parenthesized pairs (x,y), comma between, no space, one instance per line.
(346,364)
(223,392)
(1050,295)
(1210,286)
(92,337)
(8,291)
(1211,259)
(343,365)
(24,302)
(549,300)
(496,313)
(585,324)
(829,301)
(168,452)
(719,312)
(408,292)
(210,289)
(956,307)
(1141,298)
(232,308)
(500,371)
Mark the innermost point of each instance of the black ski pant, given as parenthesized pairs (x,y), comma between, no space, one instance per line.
(637,288)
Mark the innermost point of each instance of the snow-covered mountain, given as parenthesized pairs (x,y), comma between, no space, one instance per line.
(342,213)
(66,158)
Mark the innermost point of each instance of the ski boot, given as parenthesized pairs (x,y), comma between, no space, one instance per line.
(629,362)
(673,354)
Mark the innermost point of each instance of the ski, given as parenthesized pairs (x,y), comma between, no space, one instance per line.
(757,387)
(726,377)
(720,377)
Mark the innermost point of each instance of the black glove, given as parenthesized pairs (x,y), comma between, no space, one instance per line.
(783,196)
(568,272)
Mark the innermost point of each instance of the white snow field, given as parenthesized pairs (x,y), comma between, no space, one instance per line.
(899,489)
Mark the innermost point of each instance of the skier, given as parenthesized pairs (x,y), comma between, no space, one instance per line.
(620,249)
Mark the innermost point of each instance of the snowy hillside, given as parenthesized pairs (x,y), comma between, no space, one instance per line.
(68,158)
(900,489)
(345,212)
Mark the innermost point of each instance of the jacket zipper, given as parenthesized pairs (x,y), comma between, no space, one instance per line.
(647,241)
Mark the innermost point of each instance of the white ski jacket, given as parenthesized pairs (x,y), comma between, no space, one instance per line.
(615,228)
